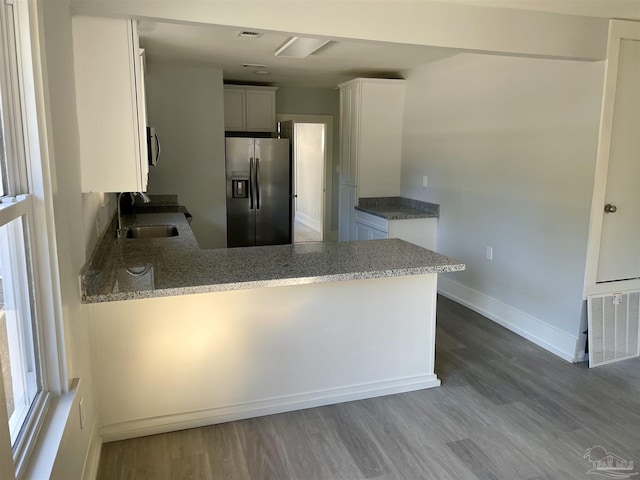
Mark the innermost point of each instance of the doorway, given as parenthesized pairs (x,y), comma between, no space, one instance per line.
(308,161)
(311,166)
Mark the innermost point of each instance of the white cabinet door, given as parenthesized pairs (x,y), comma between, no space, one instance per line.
(235,119)
(363,232)
(261,110)
(370,227)
(109,92)
(378,234)
(371,112)
(346,213)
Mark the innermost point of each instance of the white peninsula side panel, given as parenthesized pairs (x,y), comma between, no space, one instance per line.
(171,363)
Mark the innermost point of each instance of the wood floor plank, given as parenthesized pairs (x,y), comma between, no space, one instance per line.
(477,461)
(506,410)
(413,451)
(224,452)
(312,450)
(261,450)
(191,467)
(346,421)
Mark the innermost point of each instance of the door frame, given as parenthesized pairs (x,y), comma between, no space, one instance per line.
(327,176)
(618,30)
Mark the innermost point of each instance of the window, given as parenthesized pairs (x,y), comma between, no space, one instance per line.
(26,285)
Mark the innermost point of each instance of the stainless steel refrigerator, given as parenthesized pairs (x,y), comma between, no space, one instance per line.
(258,191)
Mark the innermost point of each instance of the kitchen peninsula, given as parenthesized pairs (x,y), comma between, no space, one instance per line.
(184,337)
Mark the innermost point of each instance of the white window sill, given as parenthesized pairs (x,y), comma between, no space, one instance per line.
(42,459)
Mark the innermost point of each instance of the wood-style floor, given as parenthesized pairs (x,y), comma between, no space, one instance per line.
(506,410)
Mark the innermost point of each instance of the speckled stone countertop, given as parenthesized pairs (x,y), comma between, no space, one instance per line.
(125,269)
(398,208)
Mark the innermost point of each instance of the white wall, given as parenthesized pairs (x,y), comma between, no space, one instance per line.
(75,229)
(184,104)
(445,24)
(508,145)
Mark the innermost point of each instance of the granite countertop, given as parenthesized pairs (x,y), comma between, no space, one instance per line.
(398,208)
(124,269)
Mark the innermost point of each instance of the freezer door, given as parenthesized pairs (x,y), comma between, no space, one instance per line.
(240,172)
(273,191)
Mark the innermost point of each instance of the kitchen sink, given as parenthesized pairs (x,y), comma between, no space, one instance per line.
(152,231)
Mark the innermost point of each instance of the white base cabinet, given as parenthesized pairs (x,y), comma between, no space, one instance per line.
(419,231)
(223,356)
(347,213)
(110,105)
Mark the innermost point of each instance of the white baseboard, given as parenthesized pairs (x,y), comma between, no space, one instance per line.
(535,330)
(181,421)
(92,461)
(309,222)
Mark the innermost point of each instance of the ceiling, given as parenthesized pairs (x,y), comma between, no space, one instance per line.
(620,9)
(339,61)
(334,63)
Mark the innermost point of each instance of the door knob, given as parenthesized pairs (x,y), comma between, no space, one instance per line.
(608,208)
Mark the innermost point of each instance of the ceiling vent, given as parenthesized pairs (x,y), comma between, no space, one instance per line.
(249,34)
(300,47)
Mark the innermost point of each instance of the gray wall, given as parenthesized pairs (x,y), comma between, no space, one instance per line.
(316,101)
(509,146)
(184,104)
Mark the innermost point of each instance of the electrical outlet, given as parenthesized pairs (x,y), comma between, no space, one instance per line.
(489,253)
(81,409)
(424,181)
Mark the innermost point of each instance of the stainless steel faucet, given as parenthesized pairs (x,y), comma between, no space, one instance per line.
(122,232)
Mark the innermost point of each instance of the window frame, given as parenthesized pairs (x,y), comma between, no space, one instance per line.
(26,142)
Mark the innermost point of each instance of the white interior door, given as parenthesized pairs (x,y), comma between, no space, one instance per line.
(620,240)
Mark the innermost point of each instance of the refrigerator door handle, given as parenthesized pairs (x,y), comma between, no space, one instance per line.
(251,183)
(257,183)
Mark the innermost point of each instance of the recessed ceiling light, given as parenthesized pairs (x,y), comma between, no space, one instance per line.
(262,72)
(249,34)
(253,65)
(300,47)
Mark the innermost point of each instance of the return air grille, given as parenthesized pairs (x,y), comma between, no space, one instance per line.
(614,324)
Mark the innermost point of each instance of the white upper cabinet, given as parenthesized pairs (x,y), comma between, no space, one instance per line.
(249,108)
(371,113)
(235,109)
(110,104)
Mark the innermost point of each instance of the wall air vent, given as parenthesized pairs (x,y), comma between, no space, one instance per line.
(614,325)
(249,34)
